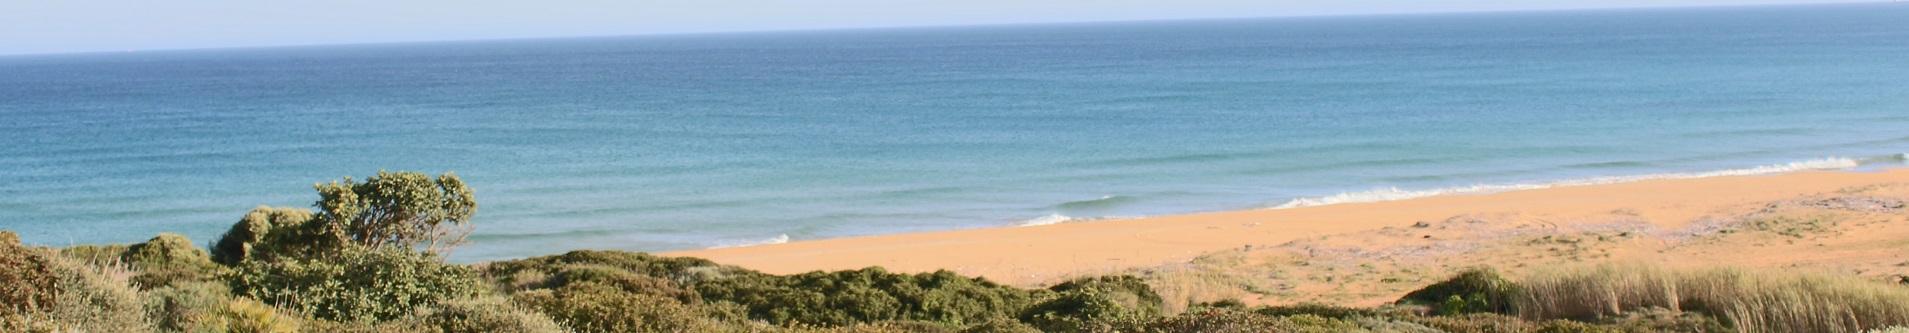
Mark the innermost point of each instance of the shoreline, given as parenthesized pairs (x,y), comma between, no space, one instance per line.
(1032,255)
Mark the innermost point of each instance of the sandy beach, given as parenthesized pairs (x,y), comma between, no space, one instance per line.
(1042,254)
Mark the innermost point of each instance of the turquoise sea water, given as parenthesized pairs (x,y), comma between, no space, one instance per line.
(691,141)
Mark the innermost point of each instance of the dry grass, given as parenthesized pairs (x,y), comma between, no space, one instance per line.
(1751,301)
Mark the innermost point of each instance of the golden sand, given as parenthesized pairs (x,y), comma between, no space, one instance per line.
(1042,254)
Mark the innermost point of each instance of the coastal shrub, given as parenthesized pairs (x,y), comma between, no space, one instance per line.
(242,315)
(1746,301)
(1321,310)
(188,307)
(891,327)
(1470,291)
(1096,304)
(827,299)
(486,314)
(536,272)
(1001,325)
(356,285)
(97,254)
(592,307)
(158,262)
(252,232)
(27,279)
(169,258)
(401,209)
(1216,320)
(44,291)
(866,295)
(1477,323)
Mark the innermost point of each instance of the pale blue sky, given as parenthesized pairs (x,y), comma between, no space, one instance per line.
(58,26)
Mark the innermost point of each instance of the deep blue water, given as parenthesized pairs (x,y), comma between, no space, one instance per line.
(689,141)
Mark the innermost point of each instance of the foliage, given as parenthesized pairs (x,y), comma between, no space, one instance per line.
(168,259)
(1096,304)
(357,285)
(187,307)
(486,314)
(404,209)
(1471,291)
(44,291)
(1001,325)
(248,316)
(27,279)
(252,231)
(591,307)
(817,298)
(865,295)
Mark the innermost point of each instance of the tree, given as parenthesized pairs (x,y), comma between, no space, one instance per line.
(404,209)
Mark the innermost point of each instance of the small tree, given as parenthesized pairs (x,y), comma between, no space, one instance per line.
(406,209)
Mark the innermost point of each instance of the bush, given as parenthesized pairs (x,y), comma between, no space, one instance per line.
(818,298)
(1322,310)
(1217,321)
(249,316)
(356,285)
(1477,323)
(591,307)
(253,232)
(1001,325)
(1471,291)
(27,279)
(47,292)
(187,307)
(399,209)
(866,295)
(1095,304)
(486,314)
(167,259)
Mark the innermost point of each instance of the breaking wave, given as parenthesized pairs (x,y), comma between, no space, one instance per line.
(1392,194)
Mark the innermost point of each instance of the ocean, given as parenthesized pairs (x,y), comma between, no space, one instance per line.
(669,142)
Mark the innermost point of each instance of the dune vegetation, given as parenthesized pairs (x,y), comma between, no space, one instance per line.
(367,258)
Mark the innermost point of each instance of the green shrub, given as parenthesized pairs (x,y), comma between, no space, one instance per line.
(187,307)
(1096,304)
(248,316)
(27,279)
(1471,291)
(1477,323)
(356,285)
(1322,310)
(253,231)
(44,291)
(397,209)
(839,298)
(591,307)
(486,314)
(167,259)
(1217,321)
(1001,325)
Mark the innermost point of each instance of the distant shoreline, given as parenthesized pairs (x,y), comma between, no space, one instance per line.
(1043,254)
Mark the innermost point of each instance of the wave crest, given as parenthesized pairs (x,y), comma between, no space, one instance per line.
(1045,220)
(1393,193)
(778,239)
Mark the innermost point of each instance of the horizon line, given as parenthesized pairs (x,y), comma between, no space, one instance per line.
(926,26)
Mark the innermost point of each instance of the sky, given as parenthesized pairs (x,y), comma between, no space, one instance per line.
(67,26)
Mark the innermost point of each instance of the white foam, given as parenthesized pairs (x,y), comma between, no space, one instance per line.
(1392,194)
(778,239)
(1045,220)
